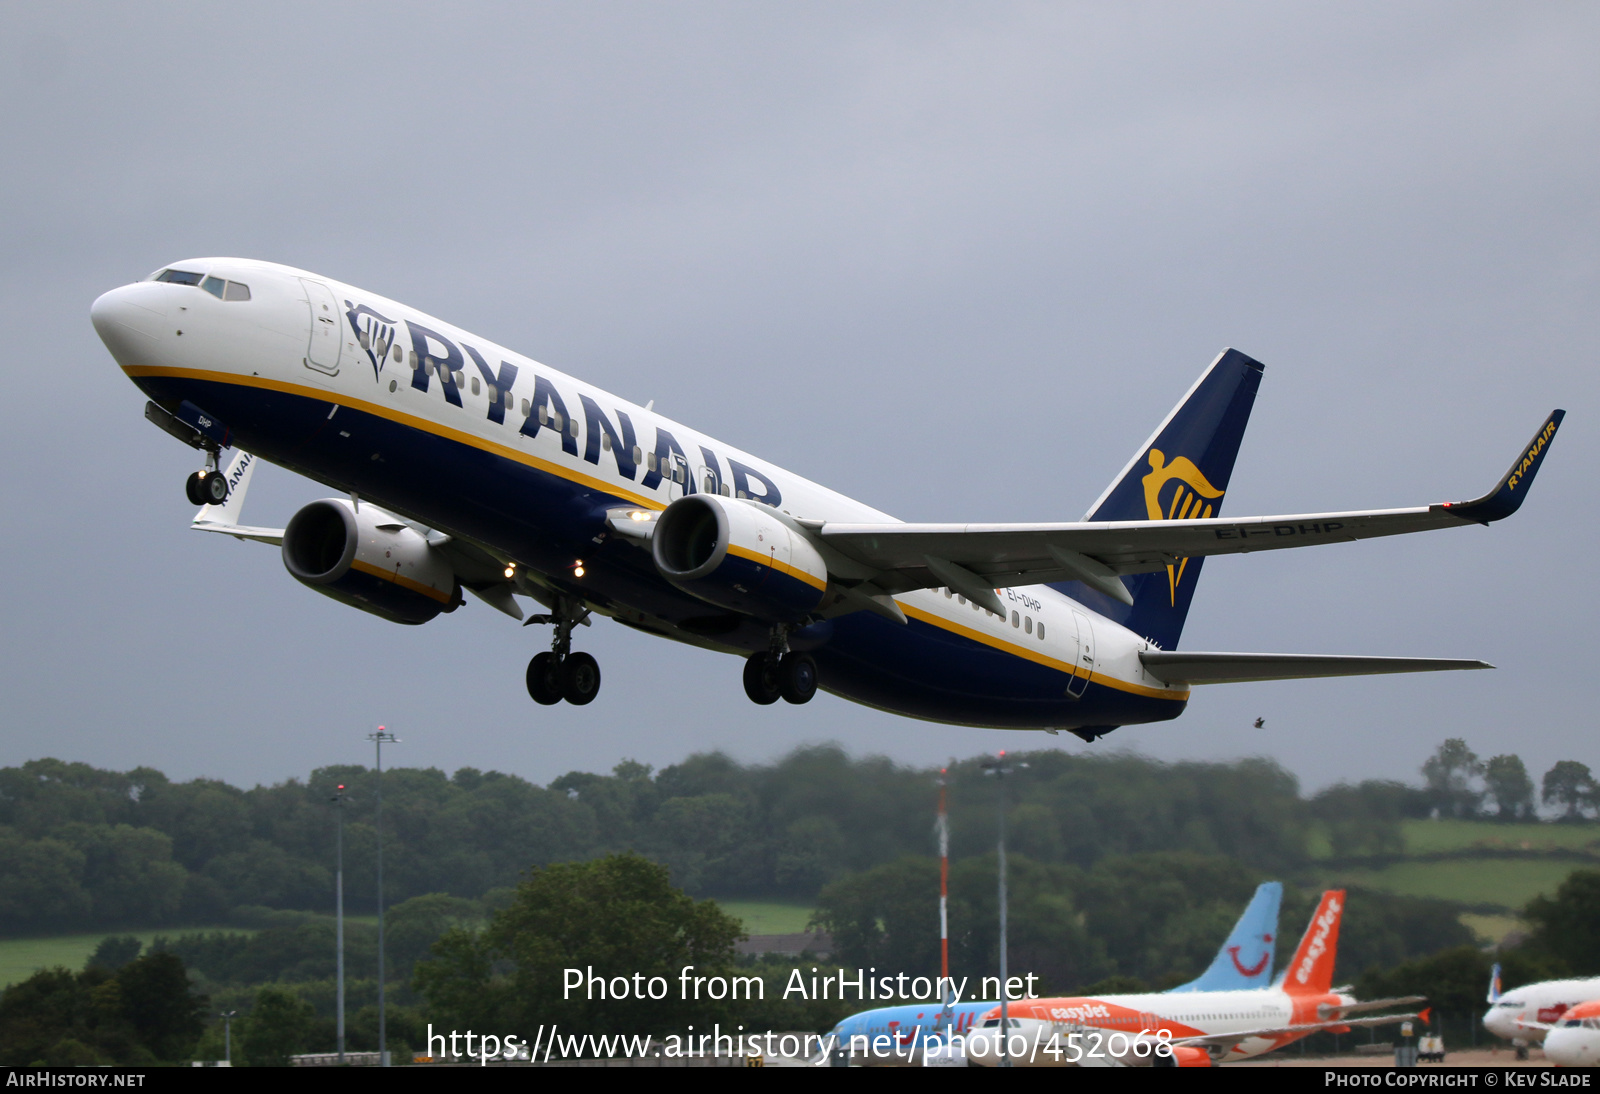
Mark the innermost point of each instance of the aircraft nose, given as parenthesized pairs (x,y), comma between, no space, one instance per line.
(131,321)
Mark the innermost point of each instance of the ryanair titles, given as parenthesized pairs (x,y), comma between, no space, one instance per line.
(434,357)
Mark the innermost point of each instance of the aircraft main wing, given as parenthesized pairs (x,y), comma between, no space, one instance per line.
(1228,1040)
(917,556)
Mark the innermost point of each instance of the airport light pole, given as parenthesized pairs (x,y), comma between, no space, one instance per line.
(1000,769)
(227,1035)
(338,911)
(379,739)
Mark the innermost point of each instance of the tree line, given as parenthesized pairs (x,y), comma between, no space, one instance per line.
(82,847)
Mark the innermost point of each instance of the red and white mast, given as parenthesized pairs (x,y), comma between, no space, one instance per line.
(943,828)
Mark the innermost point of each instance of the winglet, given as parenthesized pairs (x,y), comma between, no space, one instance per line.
(1494,984)
(224,518)
(239,472)
(1507,497)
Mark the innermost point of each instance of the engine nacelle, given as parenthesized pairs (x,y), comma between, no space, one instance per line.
(737,554)
(369,560)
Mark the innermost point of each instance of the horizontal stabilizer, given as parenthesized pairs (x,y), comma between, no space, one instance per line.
(1180,667)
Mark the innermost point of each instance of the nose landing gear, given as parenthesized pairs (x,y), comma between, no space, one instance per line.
(561,674)
(207,487)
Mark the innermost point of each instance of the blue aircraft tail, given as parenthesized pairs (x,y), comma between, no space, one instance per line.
(1180,473)
(1245,960)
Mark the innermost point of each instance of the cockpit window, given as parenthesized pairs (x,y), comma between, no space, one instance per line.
(216,286)
(179,277)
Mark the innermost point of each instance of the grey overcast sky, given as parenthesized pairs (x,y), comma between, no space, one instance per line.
(953,259)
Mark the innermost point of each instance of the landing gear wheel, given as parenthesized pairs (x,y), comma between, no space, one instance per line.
(582,679)
(761,681)
(797,674)
(191,487)
(545,679)
(214,488)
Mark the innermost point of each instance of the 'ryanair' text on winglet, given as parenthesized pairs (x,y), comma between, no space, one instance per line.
(1505,498)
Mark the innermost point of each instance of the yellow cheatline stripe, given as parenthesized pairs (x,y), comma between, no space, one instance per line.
(820,584)
(459,436)
(403,582)
(1034,655)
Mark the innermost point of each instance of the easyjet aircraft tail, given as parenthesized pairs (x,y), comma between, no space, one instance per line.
(1180,473)
(1310,970)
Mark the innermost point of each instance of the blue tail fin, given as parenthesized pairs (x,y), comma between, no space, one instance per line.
(1245,960)
(1182,471)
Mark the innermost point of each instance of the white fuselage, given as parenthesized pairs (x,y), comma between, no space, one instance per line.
(503,465)
(1544,1002)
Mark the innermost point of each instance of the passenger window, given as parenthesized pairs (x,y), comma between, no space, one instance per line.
(474,385)
(524,408)
(962,599)
(605,441)
(1027,625)
(544,414)
(179,277)
(398,352)
(1041,631)
(214,286)
(638,454)
(947,594)
(572,426)
(1016,620)
(461,378)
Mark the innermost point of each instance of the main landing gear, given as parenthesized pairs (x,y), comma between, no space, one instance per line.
(780,673)
(561,674)
(208,487)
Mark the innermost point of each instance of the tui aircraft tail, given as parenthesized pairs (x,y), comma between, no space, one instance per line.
(1245,960)
(1181,472)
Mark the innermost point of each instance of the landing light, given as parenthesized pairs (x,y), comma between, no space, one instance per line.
(511,571)
(638,514)
(577,568)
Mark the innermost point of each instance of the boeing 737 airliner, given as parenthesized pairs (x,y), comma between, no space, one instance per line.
(464,466)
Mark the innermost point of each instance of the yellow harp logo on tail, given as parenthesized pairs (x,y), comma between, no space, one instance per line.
(1191,497)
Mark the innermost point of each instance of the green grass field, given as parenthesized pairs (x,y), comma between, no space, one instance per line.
(1504,883)
(20,958)
(1433,836)
(762,917)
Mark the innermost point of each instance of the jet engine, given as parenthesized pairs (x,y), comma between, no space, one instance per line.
(739,555)
(368,559)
